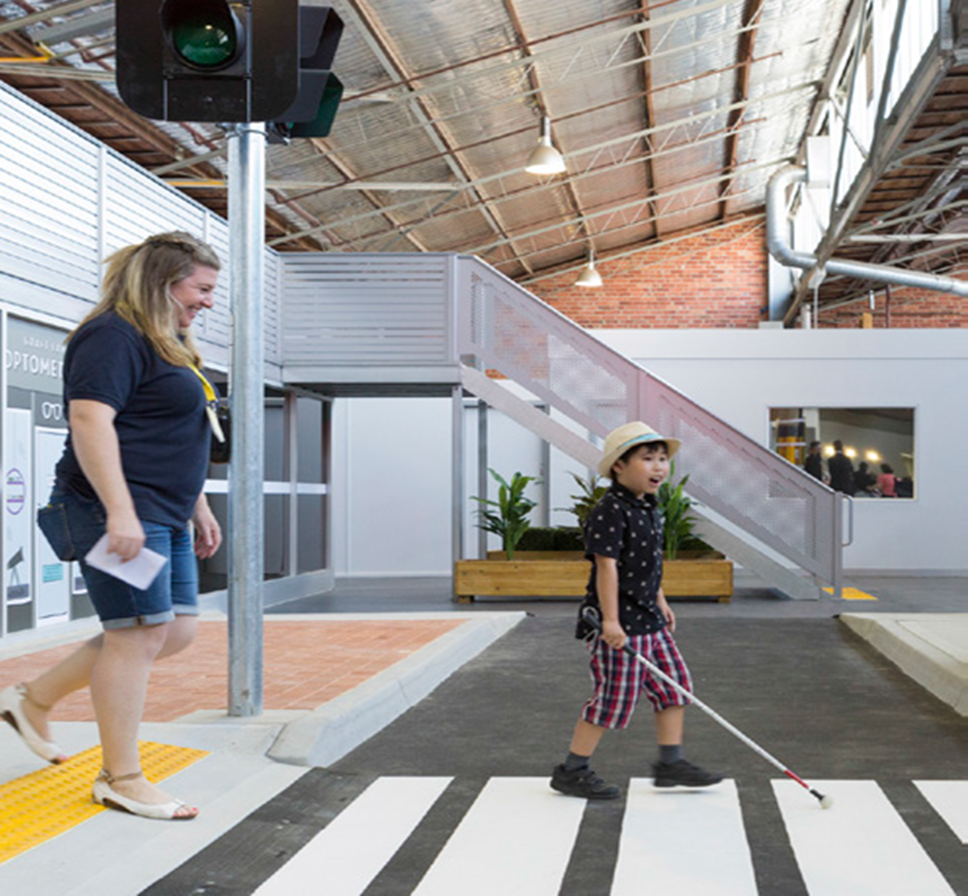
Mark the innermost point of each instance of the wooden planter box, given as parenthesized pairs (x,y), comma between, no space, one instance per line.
(565,574)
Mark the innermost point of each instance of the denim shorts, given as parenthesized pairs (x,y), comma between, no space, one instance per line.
(73,524)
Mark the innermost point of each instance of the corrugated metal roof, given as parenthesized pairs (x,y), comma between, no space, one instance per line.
(671,116)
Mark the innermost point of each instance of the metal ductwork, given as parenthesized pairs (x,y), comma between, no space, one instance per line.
(776,228)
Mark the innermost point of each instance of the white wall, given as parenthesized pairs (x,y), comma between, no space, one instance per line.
(391,486)
(392,503)
(739,375)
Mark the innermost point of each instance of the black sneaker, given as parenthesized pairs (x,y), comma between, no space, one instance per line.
(582,782)
(683,774)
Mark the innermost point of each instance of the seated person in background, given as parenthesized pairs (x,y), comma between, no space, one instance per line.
(864,481)
(887,482)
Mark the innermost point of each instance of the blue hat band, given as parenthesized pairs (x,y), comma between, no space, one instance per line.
(649,437)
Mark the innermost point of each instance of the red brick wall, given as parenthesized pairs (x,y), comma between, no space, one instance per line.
(711,280)
(719,279)
(912,308)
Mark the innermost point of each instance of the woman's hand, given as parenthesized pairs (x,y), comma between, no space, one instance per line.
(208,533)
(126,536)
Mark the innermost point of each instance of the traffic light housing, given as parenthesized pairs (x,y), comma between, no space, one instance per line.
(208,60)
(320,91)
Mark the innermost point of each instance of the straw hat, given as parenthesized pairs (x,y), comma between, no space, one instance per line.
(628,436)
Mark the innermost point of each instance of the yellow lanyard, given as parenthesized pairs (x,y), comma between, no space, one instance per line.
(211,402)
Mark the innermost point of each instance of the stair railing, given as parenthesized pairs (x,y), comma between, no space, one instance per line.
(504,328)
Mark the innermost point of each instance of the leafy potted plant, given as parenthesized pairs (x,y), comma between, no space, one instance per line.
(677,521)
(551,561)
(691,567)
(591,492)
(506,572)
(507,517)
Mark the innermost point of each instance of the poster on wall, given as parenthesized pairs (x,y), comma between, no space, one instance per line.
(37,586)
(17,504)
(52,576)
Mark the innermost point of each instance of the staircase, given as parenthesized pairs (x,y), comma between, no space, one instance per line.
(416,324)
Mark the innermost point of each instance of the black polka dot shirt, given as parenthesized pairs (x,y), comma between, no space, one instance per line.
(630,530)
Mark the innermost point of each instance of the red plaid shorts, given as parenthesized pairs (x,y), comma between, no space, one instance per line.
(619,679)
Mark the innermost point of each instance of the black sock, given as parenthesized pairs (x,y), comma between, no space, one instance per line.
(669,753)
(575,762)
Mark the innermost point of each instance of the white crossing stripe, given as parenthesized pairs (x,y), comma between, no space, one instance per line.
(346,855)
(950,801)
(516,838)
(859,847)
(683,842)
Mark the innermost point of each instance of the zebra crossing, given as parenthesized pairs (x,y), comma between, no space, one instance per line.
(517,837)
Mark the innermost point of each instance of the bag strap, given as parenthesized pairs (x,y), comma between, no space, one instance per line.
(211,402)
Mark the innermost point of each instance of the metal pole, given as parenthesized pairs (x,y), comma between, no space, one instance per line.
(482,470)
(457,473)
(246,175)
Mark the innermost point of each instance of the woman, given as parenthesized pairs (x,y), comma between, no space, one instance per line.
(133,468)
(887,482)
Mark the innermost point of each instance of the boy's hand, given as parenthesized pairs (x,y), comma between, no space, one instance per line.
(613,634)
(666,611)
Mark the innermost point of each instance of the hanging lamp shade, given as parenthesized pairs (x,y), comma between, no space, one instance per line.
(544,158)
(589,277)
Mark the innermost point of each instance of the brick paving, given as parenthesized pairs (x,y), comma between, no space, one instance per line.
(306,663)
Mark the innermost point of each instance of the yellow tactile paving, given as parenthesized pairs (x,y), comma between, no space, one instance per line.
(852,594)
(48,802)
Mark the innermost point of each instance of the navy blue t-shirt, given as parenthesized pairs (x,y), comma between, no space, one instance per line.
(161,423)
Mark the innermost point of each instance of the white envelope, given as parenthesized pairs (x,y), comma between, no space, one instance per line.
(139,572)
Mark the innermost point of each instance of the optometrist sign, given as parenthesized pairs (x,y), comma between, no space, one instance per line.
(37,588)
(34,357)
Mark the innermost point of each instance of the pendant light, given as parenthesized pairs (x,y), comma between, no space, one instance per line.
(589,277)
(544,158)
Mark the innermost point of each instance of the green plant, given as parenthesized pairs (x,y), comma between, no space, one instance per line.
(591,493)
(678,522)
(509,517)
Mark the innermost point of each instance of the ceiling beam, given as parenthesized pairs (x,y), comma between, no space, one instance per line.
(746,43)
(885,147)
(62,9)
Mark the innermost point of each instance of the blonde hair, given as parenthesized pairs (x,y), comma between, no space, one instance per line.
(137,286)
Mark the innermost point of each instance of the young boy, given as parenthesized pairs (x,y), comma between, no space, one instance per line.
(623,539)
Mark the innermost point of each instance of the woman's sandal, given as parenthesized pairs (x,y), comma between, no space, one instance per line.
(105,795)
(11,710)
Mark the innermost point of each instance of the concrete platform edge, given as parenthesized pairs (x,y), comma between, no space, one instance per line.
(915,654)
(324,736)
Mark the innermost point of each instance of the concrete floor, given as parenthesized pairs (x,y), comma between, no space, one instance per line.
(786,673)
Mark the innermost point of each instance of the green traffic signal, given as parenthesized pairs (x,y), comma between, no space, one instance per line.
(205,35)
(203,44)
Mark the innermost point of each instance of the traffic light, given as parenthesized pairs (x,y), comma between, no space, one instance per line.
(207,60)
(320,91)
